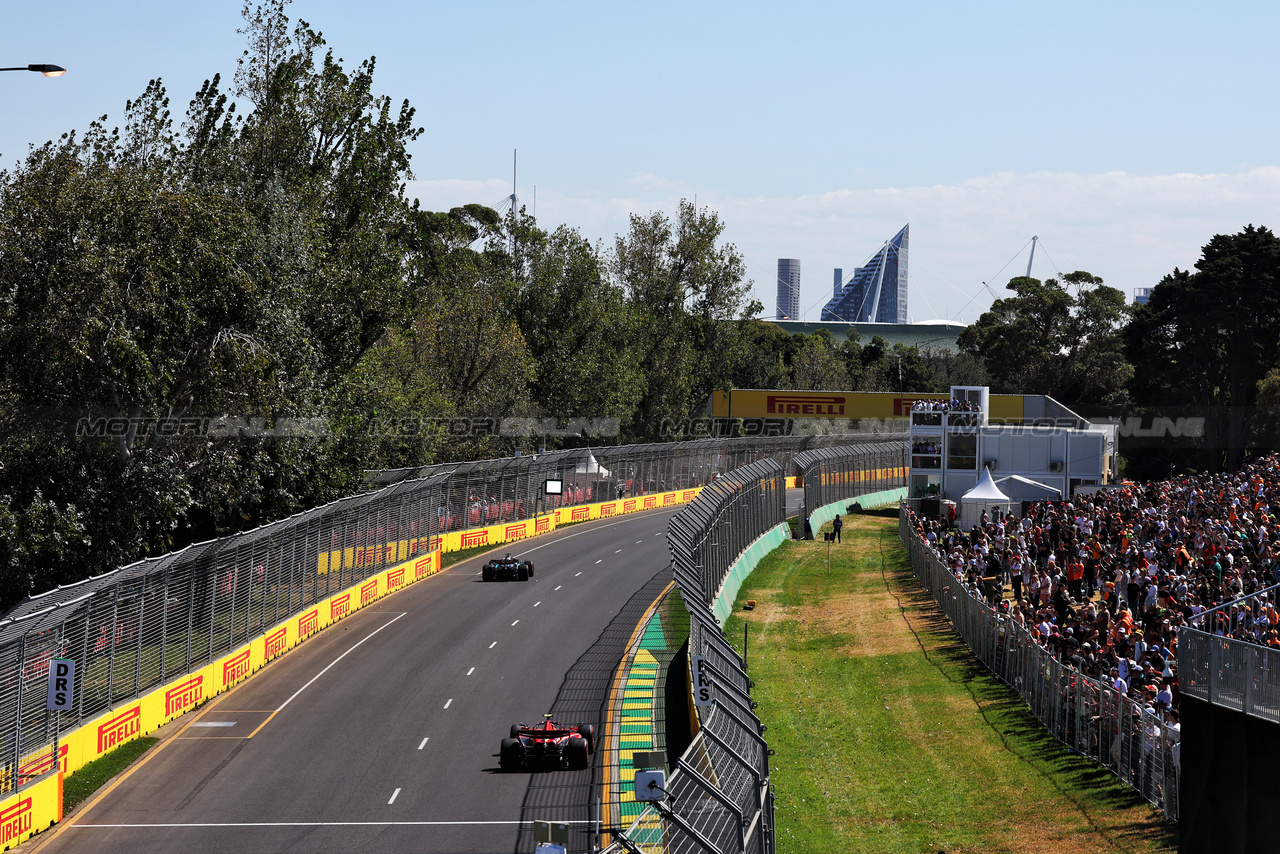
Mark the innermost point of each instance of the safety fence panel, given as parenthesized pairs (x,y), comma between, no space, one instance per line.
(146,625)
(1088,716)
(837,473)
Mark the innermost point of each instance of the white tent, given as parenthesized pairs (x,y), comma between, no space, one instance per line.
(591,466)
(985,495)
(1028,489)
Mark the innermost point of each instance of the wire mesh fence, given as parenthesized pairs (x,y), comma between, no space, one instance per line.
(143,625)
(836,473)
(1088,716)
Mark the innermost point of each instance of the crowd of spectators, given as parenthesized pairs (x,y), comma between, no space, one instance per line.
(953,405)
(1104,581)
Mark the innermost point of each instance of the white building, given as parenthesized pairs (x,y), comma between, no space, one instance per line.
(1049,451)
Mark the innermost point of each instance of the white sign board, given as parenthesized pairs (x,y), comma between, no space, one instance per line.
(701,682)
(62,682)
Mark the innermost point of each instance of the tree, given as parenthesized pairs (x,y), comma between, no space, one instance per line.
(687,292)
(1047,340)
(1207,338)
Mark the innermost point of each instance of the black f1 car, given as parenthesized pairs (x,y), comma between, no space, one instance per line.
(507,569)
(547,745)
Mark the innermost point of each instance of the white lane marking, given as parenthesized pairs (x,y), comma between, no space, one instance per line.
(214,723)
(602,559)
(558,586)
(424,742)
(448,704)
(331,824)
(638,542)
(536,604)
(492,645)
(617,551)
(394,795)
(472,670)
(579,534)
(576,574)
(336,660)
(515,623)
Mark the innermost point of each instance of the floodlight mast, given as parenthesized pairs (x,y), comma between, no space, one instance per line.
(42,69)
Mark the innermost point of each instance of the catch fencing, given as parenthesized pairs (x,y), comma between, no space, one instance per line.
(143,625)
(1088,716)
(489,492)
(718,795)
(1236,674)
(836,473)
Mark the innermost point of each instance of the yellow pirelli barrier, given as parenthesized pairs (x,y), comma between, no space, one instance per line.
(147,713)
(605,509)
(492,535)
(30,811)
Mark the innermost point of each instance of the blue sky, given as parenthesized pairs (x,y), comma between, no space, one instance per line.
(1124,134)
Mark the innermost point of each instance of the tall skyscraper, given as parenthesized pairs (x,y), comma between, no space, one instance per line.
(877,292)
(788,289)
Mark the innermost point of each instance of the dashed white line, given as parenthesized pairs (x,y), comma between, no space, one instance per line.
(558,586)
(492,645)
(515,623)
(448,704)
(599,561)
(424,742)
(638,542)
(394,795)
(536,604)
(617,551)
(576,574)
(472,670)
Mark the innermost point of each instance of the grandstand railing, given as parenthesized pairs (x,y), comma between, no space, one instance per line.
(1088,716)
(1226,671)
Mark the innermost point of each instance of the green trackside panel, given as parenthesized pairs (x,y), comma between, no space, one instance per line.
(827,512)
(743,566)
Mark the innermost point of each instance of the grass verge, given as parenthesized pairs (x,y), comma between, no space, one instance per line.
(891,737)
(79,786)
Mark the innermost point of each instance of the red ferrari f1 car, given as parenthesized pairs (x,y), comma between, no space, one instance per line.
(547,745)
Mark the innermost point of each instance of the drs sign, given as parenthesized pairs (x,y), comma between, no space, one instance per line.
(62,681)
(701,682)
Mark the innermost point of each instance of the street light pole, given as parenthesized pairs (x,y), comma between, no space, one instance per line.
(43,69)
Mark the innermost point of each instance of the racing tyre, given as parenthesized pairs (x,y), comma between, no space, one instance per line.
(511,755)
(515,730)
(529,564)
(588,732)
(486,574)
(522,572)
(577,753)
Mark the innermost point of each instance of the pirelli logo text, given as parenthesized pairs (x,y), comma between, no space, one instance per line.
(650,501)
(668,498)
(119,729)
(308,623)
(395,579)
(15,821)
(515,532)
(610,509)
(339,606)
(542,525)
(688,495)
(236,668)
(420,545)
(629,506)
(475,538)
(368,591)
(183,696)
(805,404)
(274,643)
(42,762)
(580,514)
(424,567)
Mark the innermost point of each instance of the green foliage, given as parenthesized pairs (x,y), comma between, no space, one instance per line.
(1207,338)
(1047,340)
(81,785)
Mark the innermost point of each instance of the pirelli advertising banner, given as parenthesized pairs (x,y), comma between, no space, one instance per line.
(881,405)
(605,509)
(508,532)
(30,811)
(184,693)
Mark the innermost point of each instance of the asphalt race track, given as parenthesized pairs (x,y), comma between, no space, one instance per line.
(381,733)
